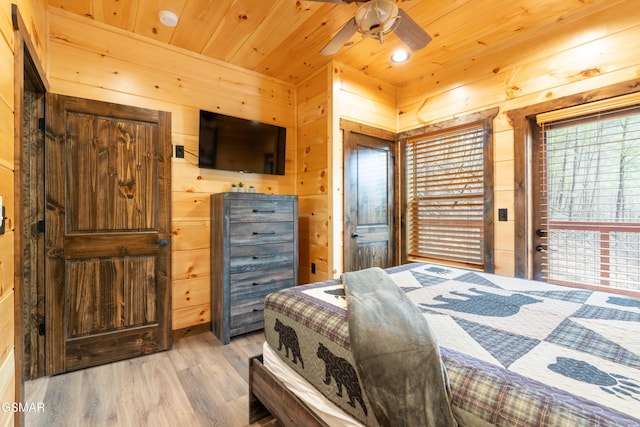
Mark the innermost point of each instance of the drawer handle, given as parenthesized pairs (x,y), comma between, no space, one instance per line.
(268,282)
(258,309)
(263,256)
(261,211)
(256,233)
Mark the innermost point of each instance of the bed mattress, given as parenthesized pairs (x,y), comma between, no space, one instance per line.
(517,352)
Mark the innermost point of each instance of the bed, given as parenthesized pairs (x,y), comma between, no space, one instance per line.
(516,352)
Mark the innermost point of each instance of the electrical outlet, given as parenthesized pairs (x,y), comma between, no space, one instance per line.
(502,214)
(180,151)
(313,268)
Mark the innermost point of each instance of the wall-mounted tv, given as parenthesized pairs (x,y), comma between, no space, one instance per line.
(234,144)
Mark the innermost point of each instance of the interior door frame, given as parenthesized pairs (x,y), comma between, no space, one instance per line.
(26,66)
(348,127)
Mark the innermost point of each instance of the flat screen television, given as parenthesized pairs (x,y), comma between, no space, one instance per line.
(234,144)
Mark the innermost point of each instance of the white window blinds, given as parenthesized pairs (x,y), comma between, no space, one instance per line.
(445,196)
(591,198)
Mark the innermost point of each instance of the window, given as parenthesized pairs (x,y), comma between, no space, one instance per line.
(589,201)
(448,193)
(530,174)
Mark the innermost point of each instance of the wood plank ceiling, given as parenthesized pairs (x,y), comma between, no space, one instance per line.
(283,38)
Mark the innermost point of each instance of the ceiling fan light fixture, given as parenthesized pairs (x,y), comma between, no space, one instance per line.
(400,56)
(377,17)
(168,18)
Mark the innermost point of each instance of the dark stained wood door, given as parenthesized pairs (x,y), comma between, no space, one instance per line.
(369,201)
(108,225)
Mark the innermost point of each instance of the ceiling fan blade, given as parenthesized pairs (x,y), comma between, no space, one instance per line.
(341,37)
(410,32)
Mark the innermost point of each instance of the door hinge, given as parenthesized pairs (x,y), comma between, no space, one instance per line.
(41,329)
(41,124)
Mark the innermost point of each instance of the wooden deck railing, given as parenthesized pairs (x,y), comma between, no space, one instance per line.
(604,229)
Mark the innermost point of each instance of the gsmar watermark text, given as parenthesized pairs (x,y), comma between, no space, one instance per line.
(22,406)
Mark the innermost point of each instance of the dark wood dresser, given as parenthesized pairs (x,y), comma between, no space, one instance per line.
(254,251)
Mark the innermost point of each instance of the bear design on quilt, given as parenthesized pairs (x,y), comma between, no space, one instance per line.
(344,374)
(287,336)
(484,303)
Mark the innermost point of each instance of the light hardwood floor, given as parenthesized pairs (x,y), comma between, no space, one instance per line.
(199,382)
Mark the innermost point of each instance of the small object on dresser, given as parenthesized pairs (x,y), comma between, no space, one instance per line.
(241,188)
(234,188)
(252,189)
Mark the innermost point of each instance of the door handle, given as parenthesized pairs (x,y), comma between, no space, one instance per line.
(354,235)
(163,242)
(541,233)
(541,248)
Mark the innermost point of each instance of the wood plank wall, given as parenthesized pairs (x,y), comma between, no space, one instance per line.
(323,99)
(33,15)
(95,61)
(312,185)
(358,98)
(7,313)
(595,51)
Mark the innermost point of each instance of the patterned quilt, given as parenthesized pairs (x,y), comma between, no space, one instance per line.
(517,352)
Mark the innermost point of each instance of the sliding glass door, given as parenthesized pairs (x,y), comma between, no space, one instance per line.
(586,199)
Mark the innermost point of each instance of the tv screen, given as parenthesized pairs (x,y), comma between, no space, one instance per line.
(233,144)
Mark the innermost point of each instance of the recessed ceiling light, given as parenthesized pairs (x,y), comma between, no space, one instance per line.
(168,18)
(400,56)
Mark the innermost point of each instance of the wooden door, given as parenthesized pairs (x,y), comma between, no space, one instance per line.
(108,217)
(369,201)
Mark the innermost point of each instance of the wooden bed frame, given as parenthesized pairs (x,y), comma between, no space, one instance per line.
(269,396)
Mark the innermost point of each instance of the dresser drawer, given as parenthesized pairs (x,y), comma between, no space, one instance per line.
(250,233)
(247,312)
(261,257)
(260,282)
(261,210)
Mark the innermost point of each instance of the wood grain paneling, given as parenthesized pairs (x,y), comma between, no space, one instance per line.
(190,206)
(6,70)
(188,235)
(364,99)
(312,181)
(597,45)
(6,145)
(191,264)
(225,88)
(107,298)
(189,293)
(6,29)
(504,263)
(190,316)
(282,38)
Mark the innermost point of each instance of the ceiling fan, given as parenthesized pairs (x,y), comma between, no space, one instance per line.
(376,19)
